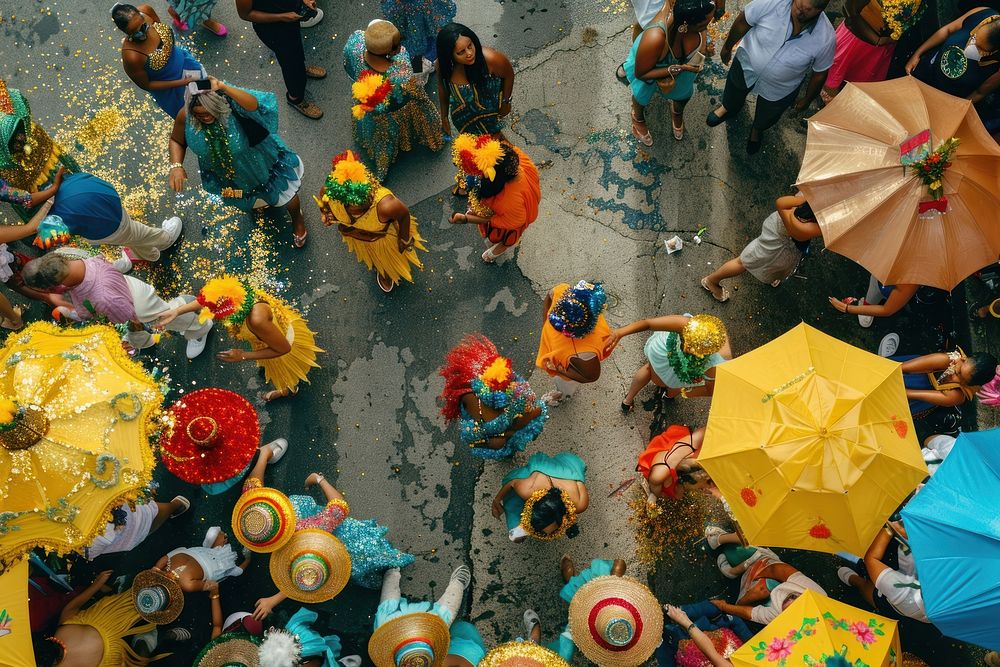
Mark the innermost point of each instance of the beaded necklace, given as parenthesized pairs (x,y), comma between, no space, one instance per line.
(217,139)
(687,367)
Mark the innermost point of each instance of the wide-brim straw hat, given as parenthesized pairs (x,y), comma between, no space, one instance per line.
(153,578)
(313,567)
(263,519)
(233,649)
(390,636)
(522,654)
(616,621)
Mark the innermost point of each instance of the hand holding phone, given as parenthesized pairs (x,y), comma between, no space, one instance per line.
(200,86)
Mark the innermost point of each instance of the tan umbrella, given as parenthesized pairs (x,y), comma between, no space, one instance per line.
(868,203)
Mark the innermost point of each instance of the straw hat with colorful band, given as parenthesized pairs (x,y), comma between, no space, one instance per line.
(616,621)
(263,519)
(212,435)
(313,567)
(411,640)
(157,596)
(522,654)
(233,649)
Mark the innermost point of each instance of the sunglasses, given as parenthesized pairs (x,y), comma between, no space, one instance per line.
(140,34)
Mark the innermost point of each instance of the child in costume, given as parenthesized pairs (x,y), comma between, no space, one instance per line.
(574,338)
(544,498)
(498,412)
(393,110)
(280,339)
(504,190)
(375,225)
(298,644)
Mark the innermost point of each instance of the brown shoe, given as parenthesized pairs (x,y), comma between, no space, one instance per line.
(567,568)
(307,109)
(315,72)
(618,568)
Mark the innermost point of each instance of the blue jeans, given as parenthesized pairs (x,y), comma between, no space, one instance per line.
(706,616)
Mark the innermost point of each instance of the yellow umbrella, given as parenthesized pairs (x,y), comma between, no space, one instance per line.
(868,204)
(816,631)
(15,628)
(75,418)
(811,442)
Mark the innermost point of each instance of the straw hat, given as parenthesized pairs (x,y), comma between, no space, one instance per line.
(212,436)
(313,567)
(381,37)
(412,640)
(157,596)
(233,649)
(522,654)
(263,519)
(616,621)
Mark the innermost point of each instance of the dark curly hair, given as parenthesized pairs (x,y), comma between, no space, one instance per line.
(506,171)
(550,509)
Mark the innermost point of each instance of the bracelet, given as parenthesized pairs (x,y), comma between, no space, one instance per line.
(175,165)
(465,218)
(213,597)
(847,309)
(506,100)
(690,628)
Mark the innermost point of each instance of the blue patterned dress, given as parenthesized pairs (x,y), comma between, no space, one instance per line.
(168,63)
(371,554)
(418,22)
(270,171)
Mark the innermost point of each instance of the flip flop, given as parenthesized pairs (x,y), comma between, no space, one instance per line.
(299,241)
(222,31)
(621,75)
(721,299)
(186,505)
(644,139)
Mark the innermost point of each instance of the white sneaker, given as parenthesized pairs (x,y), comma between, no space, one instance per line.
(123,264)
(351,661)
(314,20)
(725,568)
(889,344)
(712,534)
(210,536)
(865,320)
(196,346)
(173,227)
(278,448)
(423,76)
(845,574)
(463,575)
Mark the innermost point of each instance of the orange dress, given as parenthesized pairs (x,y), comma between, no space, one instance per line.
(555,349)
(664,442)
(516,206)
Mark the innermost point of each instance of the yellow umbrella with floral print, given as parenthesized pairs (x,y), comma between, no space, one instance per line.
(817,631)
(15,627)
(76,415)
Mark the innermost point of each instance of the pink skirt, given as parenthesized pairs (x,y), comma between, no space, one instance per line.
(857,60)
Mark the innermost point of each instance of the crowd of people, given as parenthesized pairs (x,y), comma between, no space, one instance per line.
(786,53)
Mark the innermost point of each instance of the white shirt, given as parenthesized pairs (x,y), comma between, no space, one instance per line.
(936,450)
(903,592)
(645,10)
(794,585)
(773,61)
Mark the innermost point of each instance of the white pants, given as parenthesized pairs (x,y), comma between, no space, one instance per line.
(148,304)
(144,240)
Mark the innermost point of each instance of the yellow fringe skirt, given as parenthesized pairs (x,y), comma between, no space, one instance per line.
(383,254)
(285,372)
(115,617)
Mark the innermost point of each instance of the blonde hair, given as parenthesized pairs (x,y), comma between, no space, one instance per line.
(213,102)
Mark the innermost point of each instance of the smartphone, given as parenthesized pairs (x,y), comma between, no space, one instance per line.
(199,87)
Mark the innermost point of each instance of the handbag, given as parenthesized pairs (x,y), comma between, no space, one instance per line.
(697,59)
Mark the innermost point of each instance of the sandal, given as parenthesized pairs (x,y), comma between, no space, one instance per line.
(627,408)
(275,394)
(214,27)
(11,324)
(299,241)
(645,139)
(622,75)
(185,506)
(382,286)
(458,191)
(489,256)
(721,299)
(678,130)
(181,25)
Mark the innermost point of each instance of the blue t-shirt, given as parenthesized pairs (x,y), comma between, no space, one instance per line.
(90,207)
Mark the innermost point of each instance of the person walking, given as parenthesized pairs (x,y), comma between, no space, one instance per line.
(780,41)
(419,22)
(188,12)
(278,24)
(963,57)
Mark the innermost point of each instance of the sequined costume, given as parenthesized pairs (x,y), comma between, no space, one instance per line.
(419,21)
(475,107)
(564,465)
(371,553)
(270,171)
(381,254)
(168,62)
(116,619)
(33,168)
(284,372)
(313,644)
(193,12)
(473,431)
(410,116)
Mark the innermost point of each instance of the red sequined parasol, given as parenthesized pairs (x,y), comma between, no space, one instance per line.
(212,436)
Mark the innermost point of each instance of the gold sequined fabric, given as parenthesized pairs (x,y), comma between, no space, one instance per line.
(32,171)
(159,57)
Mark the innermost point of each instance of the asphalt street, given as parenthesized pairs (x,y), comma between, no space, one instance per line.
(368,419)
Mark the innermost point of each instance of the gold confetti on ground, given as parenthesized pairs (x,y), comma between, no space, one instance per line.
(101,128)
(670,524)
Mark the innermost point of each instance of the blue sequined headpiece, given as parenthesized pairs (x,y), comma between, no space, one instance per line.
(578,309)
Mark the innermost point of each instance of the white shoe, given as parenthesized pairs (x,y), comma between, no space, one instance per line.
(845,574)
(314,20)
(196,346)
(173,227)
(725,568)
(422,77)
(865,320)
(553,398)
(123,264)
(712,534)
(463,575)
(889,344)
(351,661)
(147,638)
(278,449)
(210,536)
(531,620)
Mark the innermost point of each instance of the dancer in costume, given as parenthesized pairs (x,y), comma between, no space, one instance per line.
(298,644)
(419,22)
(152,58)
(503,187)
(682,355)
(663,464)
(392,110)
(613,618)
(410,634)
(544,498)
(522,652)
(375,225)
(31,164)
(497,411)
(280,340)
(188,12)
(234,133)
(574,338)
